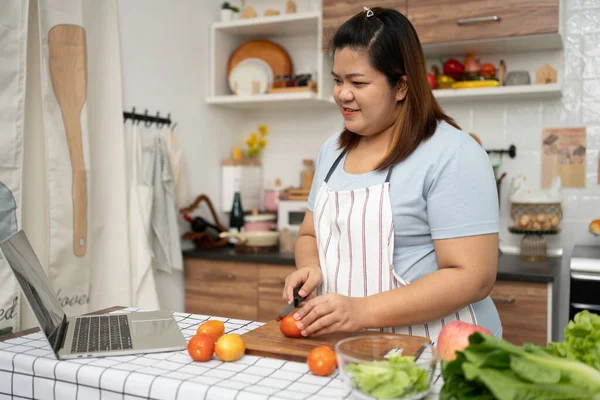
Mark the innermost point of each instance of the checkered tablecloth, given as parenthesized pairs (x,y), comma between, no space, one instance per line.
(28,369)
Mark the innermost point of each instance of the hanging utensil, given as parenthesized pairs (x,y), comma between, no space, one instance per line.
(68,73)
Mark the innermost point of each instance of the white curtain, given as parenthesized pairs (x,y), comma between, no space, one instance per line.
(100,276)
(13,42)
(123,250)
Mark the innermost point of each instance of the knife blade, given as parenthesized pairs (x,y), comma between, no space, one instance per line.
(297,300)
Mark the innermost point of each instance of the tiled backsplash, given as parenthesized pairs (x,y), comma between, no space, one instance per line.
(297,134)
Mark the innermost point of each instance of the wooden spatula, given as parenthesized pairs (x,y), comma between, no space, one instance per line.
(68,72)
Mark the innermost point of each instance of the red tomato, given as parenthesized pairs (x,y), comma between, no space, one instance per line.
(201,347)
(288,327)
(213,328)
(322,361)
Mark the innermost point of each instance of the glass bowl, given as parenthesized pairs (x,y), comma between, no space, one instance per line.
(387,366)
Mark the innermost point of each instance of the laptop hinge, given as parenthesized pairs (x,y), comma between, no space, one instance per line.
(61,335)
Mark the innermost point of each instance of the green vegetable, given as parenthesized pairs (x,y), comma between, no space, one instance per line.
(582,340)
(398,376)
(492,368)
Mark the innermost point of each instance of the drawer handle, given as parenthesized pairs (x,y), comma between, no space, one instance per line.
(467,21)
(503,299)
(219,276)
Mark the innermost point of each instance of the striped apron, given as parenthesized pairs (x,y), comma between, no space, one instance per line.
(355,238)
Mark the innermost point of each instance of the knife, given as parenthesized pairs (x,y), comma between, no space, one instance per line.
(297,300)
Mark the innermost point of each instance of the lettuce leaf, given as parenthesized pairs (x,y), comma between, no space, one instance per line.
(582,340)
(397,376)
(492,368)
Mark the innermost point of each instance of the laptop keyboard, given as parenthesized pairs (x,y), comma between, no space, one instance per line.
(101,333)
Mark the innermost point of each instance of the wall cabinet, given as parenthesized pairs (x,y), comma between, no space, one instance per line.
(336,12)
(253,291)
(442,21)
(438,21)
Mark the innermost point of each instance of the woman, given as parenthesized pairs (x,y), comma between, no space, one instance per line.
(401,231)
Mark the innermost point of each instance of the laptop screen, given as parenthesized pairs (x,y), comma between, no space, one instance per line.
(35,284)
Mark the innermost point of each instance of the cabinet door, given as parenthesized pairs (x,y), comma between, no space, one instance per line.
(271,281)
(336,12)
(438,21)
(523,309)
(221,288)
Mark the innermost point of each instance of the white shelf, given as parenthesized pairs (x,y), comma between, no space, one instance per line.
(267,101)
(298,24)
(511,44)
(533,91)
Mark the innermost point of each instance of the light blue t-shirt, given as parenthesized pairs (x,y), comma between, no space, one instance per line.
(445,189)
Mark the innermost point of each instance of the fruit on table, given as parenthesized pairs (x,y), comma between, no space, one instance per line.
(213,328)
(472,68)
(444,81)
(288,327)
(201,347)
(488,70)
(475,84)
(454,337)
(431,80)
(322,361)
(453,69)
(595,226)
(230,347)
(236,153)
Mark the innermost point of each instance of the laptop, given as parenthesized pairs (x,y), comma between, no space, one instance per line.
(87,336)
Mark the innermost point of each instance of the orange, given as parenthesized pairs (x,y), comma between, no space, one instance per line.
(230,347)
(201,347)
(213,328)
(322,361)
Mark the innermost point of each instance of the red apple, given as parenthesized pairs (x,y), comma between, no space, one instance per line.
(455,337)
(431,80)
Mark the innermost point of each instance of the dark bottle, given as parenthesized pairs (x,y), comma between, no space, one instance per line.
(236,217)
(199,224)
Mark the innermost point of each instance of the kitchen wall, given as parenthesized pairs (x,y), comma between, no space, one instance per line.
(165,51)
(297,134)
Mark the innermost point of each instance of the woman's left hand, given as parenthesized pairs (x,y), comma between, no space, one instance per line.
(329,313)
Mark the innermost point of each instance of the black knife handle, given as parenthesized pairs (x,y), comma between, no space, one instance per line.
(297,298)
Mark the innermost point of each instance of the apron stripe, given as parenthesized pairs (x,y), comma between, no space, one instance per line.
(457,316)
(427,331)
(410,330)
(339,244)
(350,244)
(364,244)
(381,235)
(443,323)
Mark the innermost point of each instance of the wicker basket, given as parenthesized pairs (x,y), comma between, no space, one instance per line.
(540,217)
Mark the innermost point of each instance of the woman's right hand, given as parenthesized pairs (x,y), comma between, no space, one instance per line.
(307,278)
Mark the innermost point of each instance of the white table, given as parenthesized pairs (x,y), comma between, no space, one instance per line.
(28,369)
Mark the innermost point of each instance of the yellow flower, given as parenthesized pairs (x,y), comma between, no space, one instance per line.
(262,128)
(253,139)
(262,143)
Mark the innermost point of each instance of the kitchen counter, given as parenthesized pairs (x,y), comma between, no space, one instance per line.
(510,266)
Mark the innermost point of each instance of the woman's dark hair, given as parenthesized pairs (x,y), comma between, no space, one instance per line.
(394,50)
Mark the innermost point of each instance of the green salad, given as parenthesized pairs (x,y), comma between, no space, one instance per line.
(395,377)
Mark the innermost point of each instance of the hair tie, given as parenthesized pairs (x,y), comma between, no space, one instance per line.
(369,12)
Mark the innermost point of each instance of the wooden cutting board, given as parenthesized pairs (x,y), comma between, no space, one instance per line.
(273,54)
(268,341)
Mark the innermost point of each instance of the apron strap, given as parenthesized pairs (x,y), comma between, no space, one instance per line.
(387,178)
(335,164)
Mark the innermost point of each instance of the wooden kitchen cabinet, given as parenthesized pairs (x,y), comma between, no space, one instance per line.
(233,289)
(438,21)
(336,12)
(221,288)
(523,308)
